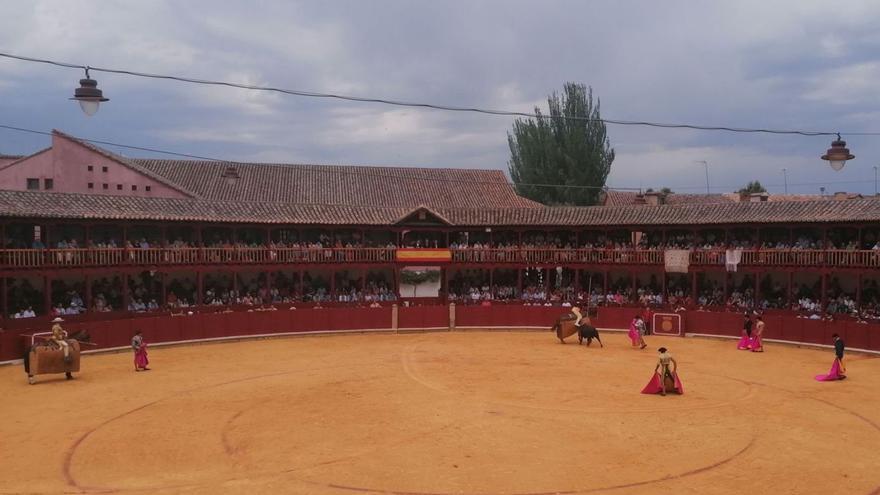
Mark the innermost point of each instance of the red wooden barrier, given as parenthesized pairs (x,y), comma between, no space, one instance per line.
(158,328)
(423,317)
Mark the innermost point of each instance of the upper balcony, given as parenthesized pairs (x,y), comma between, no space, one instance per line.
(25,259)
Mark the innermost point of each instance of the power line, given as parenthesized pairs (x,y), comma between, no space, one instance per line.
(434,106)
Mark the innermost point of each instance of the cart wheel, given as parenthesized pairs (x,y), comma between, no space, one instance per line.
(31,380)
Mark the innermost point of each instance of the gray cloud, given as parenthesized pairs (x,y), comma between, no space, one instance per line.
(786,64)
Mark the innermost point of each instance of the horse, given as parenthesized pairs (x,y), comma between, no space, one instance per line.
(565,327)
(46,358)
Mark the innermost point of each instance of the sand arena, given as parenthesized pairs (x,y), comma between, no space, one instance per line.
(443,413)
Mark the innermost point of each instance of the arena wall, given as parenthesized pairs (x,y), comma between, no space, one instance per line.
(203,326)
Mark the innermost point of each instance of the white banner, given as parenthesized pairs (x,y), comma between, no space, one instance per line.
(677,260)
(732,257)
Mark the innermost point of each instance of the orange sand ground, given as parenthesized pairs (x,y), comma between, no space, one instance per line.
(444,413)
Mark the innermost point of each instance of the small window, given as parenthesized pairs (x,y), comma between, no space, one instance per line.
(148,188)
(91,168)
(118,187)
(134,188)
(48,184)
(105,186)
(33,184)
(91,185)
(103,169)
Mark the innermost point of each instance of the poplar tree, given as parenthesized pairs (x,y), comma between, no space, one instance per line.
(568,146)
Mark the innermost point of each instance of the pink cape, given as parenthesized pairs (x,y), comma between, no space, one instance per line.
(834,374)
(655,387)
(633,333)
(140,357)
(757,345)
(745,343)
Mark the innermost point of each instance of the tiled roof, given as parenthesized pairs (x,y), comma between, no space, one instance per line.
(338,184)
(83,206)
(10,157)
(630,198)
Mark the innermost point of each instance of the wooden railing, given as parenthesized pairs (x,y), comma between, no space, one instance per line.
(70,258)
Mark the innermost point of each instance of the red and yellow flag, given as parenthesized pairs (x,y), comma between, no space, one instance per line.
(424,255)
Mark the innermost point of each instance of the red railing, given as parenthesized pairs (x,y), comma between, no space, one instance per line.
(60,258)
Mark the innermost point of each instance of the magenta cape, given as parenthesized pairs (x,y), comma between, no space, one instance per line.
(633,333)
(834,374)
(140,357)
(757,345)
(655,386)
(745,343)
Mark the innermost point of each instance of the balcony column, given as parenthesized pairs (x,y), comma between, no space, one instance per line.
(665,289)
(577,283)
(332,284)
(694,286)
(88,294)
(859,291)
(47,294)
(200,286)
(299,284)
(546,284)
(824,291)
(491,281)
(163,280)
(605,283)
(126,299)
(757,294)
(234,284)
(444,281)
(268,275)
(824,237)
(519,283)
(724,286)
(635,289)
(4,304)
(789,294)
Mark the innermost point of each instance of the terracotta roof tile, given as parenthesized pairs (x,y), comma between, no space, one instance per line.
(338,184)
(83,206)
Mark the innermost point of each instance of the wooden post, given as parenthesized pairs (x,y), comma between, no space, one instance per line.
(694,286)
(635,289)
(605,283)
(577,283)
(757,294)
(332,284)
(790,283)
(824,291)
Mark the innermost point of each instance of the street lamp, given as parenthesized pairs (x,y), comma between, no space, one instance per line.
(785,178)
(875,180)
(706,164)
(838,154)
(88,95)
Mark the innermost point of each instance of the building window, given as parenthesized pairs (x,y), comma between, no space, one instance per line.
(33,184)
(148,188)
(105,186)
(48,184)
(134,188)
(103,169)
(91,185)
(91,168)
(118,187)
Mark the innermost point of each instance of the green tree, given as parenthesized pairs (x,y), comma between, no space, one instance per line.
(752,187)
(569,146)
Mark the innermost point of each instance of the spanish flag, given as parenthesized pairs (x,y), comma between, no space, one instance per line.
(424,255)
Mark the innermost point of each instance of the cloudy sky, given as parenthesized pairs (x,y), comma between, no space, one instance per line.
(798,64)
